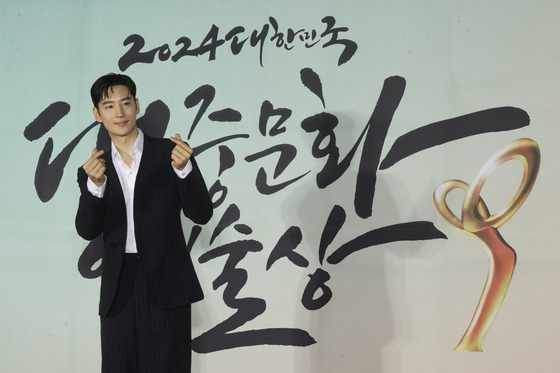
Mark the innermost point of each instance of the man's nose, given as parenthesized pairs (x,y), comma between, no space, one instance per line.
(120,111)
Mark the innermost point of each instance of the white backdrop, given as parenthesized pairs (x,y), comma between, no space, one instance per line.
(397,306)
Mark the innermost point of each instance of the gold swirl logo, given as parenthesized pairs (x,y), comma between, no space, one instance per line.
(477,222)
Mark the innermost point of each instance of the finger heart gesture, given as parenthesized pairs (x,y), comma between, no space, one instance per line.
(181,153)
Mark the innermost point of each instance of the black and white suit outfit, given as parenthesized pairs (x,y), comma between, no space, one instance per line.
(145,297)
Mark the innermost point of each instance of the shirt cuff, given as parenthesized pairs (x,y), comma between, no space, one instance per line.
(187,170)
(95,190)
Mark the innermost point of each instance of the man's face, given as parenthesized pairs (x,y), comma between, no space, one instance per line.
(118,112)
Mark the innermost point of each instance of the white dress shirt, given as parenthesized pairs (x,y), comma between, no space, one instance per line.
(127,178)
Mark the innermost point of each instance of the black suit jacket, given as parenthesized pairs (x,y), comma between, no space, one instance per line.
(159,197)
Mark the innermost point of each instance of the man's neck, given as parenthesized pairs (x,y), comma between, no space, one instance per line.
(124,145)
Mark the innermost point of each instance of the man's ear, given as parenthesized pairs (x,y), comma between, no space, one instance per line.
(96,115)
(137,107)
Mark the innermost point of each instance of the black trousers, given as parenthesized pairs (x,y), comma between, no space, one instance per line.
(139,337)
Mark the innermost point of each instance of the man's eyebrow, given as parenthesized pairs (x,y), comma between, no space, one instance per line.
(127,98)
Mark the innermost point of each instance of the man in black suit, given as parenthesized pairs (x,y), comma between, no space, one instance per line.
(133,194)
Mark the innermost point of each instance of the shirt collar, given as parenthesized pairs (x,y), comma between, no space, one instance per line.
(137,148)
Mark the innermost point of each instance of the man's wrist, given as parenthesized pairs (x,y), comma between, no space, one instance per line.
(93,188)
(185,171)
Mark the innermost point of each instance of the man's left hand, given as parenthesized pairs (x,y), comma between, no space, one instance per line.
(181,153)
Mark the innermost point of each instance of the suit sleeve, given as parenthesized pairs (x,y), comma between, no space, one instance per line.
(91,210)
(195,199)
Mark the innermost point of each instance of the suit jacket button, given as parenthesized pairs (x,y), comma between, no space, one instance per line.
(113,245)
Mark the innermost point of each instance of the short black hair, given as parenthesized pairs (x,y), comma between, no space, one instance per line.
(100,89)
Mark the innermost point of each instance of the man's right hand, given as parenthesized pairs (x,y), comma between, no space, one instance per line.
(95,167)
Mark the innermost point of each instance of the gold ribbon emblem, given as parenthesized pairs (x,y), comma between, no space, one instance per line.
(477,222)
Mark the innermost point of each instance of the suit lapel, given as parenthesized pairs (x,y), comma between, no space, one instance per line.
(143,167)
(114,188)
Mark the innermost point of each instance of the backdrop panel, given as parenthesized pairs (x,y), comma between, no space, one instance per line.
(326,132)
